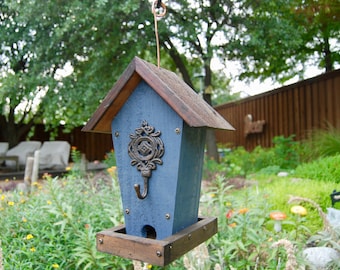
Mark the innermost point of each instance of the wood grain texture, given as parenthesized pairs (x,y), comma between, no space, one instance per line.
(115,241)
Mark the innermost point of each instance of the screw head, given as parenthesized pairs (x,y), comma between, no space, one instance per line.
(167,216)
(177,130)
(127,211)
(100,241)
(117,134)
(159,253)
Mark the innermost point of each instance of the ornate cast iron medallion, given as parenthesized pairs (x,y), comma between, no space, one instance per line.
(145,150)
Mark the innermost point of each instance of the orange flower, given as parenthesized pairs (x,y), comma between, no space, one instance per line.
(243,211)
(232,225)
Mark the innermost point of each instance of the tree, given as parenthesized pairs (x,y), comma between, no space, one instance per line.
(38,39)
(97,40)
(279,37)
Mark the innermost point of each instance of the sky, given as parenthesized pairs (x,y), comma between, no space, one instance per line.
(258,87)
(255,87)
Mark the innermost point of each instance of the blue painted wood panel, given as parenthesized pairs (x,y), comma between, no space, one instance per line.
(175,185)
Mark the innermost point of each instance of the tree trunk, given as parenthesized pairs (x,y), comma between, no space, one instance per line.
(327,54)
(212,150)
(12,132)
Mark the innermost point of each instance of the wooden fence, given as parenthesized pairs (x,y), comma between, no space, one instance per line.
(294,109)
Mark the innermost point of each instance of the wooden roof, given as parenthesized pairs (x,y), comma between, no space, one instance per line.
(174,91)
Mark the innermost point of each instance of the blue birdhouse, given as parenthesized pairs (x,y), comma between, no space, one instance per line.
(158,125)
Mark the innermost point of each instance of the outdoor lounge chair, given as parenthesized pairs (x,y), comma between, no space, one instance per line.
(22,151)
(54,154)
(3,148)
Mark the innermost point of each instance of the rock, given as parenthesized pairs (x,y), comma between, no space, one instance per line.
(282,174)
(319,257)
(333,216)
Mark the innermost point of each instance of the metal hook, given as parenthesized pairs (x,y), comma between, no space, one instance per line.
(145,192)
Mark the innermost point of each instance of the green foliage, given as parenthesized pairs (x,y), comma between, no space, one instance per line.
(110,159)
(322,169)
(322,143)
(279,37)
(246,236)
(54,227)
(240,162)
(286,152)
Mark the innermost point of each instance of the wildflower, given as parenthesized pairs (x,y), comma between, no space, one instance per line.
(2,197)
(229,214)
(46,176)
(149,266)
(21,193)
(55,265)
(212,195)
(298,210)
(232,225)
(10,203)
(2,209)
(6,180)
(22,201)
(243,210)
(24,219)
(32,249)
(277,217)
(74,148)
(29,236)
(228,204)
(68,168)
(49,202)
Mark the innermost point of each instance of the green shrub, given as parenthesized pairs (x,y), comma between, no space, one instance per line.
(240,162)
(322,143)
(110,159)
(285,150)
(55,226)
(245,238)
(323,169)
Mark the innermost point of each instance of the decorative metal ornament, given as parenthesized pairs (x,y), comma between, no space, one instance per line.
(145,150)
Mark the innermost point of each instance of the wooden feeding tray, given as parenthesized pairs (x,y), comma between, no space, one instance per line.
(115,241)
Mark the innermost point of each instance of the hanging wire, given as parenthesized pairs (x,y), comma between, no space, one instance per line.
(158,10)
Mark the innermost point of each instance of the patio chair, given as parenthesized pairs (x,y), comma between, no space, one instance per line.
(54,154)
(3,148)
(22,151)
